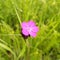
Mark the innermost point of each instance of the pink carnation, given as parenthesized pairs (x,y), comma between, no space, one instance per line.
(29,28)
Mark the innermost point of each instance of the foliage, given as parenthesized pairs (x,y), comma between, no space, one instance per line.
(45,46)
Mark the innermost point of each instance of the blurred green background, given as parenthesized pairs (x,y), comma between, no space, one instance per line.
(46,45)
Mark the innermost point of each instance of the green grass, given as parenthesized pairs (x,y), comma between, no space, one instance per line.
(46,45)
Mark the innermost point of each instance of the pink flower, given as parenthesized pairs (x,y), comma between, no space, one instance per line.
(29,28)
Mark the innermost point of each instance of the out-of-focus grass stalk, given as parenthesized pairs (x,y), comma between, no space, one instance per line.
(14,6)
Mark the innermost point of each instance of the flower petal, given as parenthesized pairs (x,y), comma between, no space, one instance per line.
(25,32)
(33,34)
(24,25)
(35,29)
(31,23)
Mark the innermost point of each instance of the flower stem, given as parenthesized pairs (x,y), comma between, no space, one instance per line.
(28,50)
(15,58)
